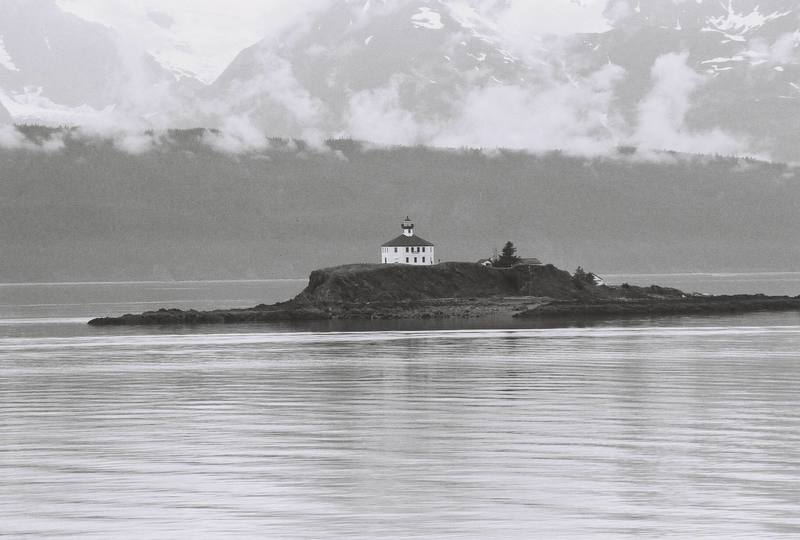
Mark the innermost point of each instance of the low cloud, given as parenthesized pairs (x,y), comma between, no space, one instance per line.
(135,143)
(784,50)
(376,115)
(237,135)
(266,94)
(13,139)
(663,111)
(10,137)
(575,116)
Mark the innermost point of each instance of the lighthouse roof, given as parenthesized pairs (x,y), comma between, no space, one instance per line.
(403,241)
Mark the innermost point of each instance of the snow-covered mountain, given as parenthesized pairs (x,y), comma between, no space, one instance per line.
(420,71)
(440,71)
(60,69)
(701,75)
(365,63)
(746,56)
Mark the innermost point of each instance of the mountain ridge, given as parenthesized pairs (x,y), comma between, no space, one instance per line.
(447,73)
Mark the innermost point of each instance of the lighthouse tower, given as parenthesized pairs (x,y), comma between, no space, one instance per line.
(408,227)
(408,248)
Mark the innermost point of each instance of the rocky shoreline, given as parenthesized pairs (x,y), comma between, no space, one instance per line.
(702,305)
(461,290)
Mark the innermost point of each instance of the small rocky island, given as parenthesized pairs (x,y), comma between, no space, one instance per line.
(462,290)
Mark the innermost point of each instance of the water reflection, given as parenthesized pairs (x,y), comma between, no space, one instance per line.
(606,431)
(495,428)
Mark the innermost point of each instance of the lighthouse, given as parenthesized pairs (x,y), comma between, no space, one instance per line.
(408,248)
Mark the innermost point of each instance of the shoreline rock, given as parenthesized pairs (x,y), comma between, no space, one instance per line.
(705,305)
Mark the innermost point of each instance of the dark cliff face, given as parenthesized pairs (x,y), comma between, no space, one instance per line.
(363,283)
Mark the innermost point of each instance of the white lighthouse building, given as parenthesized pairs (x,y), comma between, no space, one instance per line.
(408,248)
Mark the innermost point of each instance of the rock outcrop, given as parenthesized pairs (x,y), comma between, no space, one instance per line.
(363,283)
(379,291)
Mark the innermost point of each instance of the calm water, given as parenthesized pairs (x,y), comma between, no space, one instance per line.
(682,427)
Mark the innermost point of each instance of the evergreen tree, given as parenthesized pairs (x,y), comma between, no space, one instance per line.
(508,257)
(581,278)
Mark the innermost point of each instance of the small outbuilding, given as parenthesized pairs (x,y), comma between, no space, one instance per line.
(408,248)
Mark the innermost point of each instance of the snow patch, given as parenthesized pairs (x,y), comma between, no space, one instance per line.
(735,26)
(427,18)
(722,60)
(779,53)
(778,68)
(369,38)
(508,58)
(31,106)
(466,16)
(469,19)
(5,58)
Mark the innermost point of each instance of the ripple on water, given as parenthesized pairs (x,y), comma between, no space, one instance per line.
(628,431)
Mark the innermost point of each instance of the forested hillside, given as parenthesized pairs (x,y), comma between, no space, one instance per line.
(183,210)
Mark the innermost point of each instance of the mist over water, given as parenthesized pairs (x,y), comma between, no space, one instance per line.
(677,427)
